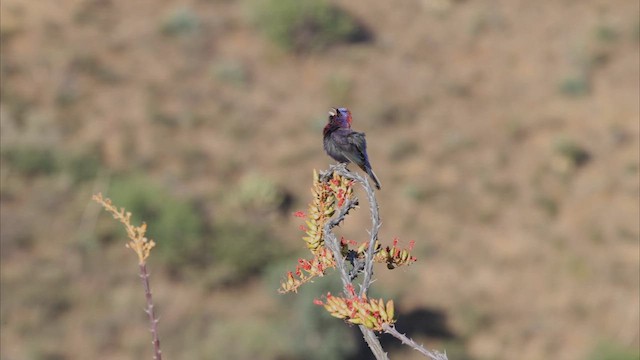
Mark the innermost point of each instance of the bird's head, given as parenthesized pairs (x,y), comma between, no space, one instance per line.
(341,116)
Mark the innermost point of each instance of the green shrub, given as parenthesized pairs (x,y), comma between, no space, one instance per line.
(83,167)
(609,351)
(571,151)
(31,161)
(257,193)
(606,33)
(547,204)
(180,21)
(230,72)
(303,25)
(319,336)
(174,224)
(241,250)
(256,338)
(575,86)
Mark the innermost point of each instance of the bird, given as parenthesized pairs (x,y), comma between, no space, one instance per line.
(346,145)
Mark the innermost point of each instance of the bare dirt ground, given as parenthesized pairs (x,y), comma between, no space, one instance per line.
(505,133)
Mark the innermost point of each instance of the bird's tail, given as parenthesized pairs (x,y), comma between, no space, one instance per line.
(373,177)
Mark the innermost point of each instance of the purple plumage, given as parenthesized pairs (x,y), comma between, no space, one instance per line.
(345,145)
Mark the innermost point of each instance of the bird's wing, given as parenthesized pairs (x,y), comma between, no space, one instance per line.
(358,145)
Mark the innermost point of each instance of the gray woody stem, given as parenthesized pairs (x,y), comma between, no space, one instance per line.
(334,245)
(434,355)
(144,275)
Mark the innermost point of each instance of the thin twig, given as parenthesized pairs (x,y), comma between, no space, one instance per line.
(142,246)
(144,275)
(333,244)
(375,226)
(434,355)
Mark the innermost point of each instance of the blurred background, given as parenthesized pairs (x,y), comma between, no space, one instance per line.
(505,134)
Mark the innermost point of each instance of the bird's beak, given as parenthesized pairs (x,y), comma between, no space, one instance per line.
(333,112)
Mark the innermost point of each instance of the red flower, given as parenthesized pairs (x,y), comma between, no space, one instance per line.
(340,196)
(318,302)
(304,264)
(299,214)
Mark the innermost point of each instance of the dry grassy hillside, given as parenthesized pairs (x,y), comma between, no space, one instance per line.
(505,133)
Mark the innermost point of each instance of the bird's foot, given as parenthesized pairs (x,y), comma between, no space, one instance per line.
(326,175)
(338,166)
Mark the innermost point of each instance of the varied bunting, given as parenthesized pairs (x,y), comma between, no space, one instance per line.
(346,145)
